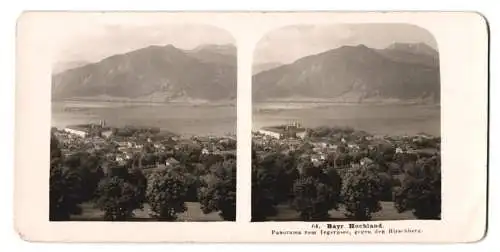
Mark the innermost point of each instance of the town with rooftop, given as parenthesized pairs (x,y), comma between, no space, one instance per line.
(339,173)
(110,158)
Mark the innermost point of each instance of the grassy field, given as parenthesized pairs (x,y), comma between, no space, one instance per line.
(388,212)
(193,213)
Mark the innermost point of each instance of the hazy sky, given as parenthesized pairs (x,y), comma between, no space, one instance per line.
(290,43)
(89,41)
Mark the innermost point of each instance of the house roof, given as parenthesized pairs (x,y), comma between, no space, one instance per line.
(172,160)
(78,127)
(283,129)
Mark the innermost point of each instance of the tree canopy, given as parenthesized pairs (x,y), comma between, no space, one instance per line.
(166,194)
(218,192)
(361,193)
(420,191)
(65,186)
(316,192)
(118,197)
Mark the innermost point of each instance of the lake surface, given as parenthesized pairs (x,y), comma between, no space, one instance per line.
(188,119)
(181,118)
(384,119)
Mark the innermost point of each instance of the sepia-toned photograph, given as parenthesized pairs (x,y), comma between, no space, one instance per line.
(143,123)
(346,124)
(254,127)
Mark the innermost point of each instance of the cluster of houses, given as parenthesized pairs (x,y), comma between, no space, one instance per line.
(91,129)
(292,130)
(71,143)
(121,150)
(317,149)
(211,145)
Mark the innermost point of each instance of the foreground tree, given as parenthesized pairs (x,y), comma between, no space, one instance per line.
(188,153)
(315,192)
(118,198)
(218,194)
(312,199)
(55,151)
(386,183)
(263,194)
(420,191)
(64,186)
(166,194)
(211,159)
(361,192)
(136,177)
(281,169)
(192,184)
(88,166)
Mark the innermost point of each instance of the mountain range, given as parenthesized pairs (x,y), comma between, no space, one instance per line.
(154,73)
(208,73)
(66,65)
(261,67)
(356,74)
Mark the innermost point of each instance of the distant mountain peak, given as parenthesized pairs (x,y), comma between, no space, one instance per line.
(419,47)
(362,46)
(221,54)
(167,47)
(354,73)
(228,49)
(215,46)
(162,72)
(352,47)
(416,44)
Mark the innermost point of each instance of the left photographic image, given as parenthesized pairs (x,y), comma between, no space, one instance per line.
(143,123)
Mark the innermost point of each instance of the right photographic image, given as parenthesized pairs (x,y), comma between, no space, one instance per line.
(346,124)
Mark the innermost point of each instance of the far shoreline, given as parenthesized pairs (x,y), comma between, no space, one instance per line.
(146,102)
(381,103)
